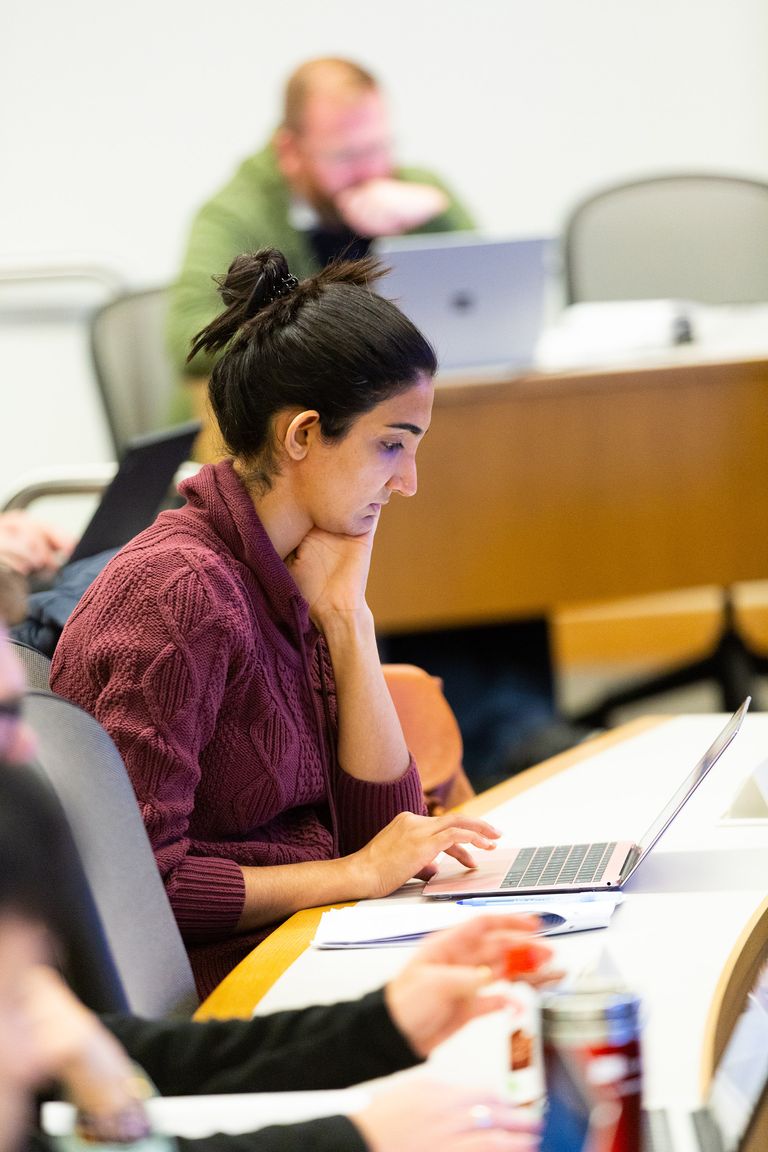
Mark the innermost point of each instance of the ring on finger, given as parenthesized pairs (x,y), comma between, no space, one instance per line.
(481,1116)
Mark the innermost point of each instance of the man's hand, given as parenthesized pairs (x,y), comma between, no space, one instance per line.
(386,207)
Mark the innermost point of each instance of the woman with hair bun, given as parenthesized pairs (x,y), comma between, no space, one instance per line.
(229,649)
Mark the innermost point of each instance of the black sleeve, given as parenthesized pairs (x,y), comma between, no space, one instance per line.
(330,1046)
(330,1134)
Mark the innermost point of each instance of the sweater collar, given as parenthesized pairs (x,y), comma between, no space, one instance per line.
(217,492)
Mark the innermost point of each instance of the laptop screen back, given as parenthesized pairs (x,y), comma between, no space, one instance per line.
(480,302)
(137,491)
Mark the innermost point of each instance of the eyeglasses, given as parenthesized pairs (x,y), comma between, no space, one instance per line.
(341,157)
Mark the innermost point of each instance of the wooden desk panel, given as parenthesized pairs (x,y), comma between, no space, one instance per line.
(542,490)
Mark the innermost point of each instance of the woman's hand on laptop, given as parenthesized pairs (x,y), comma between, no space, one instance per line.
(408,846)
(445,983)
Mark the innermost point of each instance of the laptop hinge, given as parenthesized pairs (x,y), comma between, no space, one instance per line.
(632,858)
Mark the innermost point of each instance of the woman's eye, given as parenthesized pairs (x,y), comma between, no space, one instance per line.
(391,445)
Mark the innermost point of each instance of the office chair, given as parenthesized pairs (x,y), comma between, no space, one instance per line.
(432,734)
(88,775)
(133,371)
(692,237)
(37,666)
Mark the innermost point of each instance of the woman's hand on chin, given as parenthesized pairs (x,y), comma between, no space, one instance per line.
(331,572)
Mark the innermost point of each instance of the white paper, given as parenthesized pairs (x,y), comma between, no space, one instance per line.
(401,924)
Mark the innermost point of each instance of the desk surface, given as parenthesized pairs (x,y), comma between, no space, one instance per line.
(244,987)
(554,488)
(690,935)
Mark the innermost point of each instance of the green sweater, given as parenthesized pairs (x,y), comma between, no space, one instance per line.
(251,212)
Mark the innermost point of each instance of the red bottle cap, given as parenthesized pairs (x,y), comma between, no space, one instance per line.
(522,958)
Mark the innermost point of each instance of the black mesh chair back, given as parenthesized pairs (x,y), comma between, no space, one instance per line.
(89,777)
(133,370)
(37,666)
(700,237)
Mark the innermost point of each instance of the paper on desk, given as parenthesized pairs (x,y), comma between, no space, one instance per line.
(364,926)
(195,1117)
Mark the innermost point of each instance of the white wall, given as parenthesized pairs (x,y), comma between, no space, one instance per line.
(125,116)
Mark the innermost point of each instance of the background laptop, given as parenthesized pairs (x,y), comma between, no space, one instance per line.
(480,302)
(597,866)
(138,490)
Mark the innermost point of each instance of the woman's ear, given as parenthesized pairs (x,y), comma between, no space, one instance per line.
(298,433)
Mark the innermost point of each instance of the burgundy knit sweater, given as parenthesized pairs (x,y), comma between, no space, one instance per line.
(195,650)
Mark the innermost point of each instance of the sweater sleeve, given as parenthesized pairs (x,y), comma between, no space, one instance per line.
(365,807)
(159,648)
(324,1047)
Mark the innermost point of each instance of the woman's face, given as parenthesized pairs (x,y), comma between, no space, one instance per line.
(345,483)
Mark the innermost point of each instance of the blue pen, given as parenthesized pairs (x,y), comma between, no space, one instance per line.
(548,919)
(494,901)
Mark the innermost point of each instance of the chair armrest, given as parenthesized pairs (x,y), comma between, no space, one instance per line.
(75,481)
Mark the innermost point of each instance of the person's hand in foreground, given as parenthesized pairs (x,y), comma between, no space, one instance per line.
(76,1050)
(387,207)
(425,1115)
(436,993)
(442,987)
(27,545)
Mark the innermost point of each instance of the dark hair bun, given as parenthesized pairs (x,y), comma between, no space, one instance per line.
(253,281)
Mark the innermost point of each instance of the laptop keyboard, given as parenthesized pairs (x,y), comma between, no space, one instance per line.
(558,864)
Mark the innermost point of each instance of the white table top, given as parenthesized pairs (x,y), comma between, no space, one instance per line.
(683,913)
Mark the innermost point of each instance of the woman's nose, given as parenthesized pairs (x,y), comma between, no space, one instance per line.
(405,480)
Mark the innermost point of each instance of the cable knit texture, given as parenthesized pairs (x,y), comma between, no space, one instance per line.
(195,650)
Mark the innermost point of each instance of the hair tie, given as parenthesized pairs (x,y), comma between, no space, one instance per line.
(286,285)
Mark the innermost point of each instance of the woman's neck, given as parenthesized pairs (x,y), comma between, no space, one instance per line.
(282,517)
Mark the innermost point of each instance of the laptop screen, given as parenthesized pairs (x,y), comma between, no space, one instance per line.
(692,781)
(134,497)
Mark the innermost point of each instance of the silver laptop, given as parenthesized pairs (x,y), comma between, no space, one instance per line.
(598,866)
(480,302)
